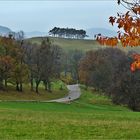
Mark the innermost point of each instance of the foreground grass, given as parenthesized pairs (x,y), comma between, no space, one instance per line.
(27,94)
(91,117)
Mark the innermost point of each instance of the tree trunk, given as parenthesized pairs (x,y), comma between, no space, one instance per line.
(32,84)
(1,82)
(36,88)
(17,86)
(37,84)
(45,84)
(132,104)
(6,83)
(1,85)
(49,86)
(21,87)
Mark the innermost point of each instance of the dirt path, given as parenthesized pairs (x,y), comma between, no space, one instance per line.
(74,93)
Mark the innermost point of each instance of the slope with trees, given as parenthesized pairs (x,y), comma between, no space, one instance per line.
(113,71)
(107,70)
(22,62)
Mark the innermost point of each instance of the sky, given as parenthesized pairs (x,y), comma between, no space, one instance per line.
(43,15)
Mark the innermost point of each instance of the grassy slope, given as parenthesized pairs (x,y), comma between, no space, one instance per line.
(92,116)
(11,94)
(84,45)
(70,44)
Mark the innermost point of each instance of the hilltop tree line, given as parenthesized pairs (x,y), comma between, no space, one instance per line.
(22,62)
(68,33)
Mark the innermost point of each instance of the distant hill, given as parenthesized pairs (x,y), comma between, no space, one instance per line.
(35,34)
(70,44)
(106,32)
(4,30)
(79,44)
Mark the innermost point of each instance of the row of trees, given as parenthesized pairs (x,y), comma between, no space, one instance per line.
(68,33)
(23,62)
(11,62)
(108,70)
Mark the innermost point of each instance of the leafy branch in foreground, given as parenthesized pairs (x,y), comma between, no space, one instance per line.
(129,29)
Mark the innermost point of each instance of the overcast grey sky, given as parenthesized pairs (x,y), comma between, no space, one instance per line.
(43,15)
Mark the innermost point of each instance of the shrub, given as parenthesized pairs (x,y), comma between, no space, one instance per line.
(67,79)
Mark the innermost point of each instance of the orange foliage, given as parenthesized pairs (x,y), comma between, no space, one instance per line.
(129,33)
(6,62)
(136,64)
(129,25)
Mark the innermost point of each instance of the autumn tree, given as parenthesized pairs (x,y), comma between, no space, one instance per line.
(30,62)
(20,71)
(45,63)
(12,66)
(97,67)
(128,24)
(129,29)
(6,59)
(108,70)
(125,88)
(6,64)
(85,69)
(50,62)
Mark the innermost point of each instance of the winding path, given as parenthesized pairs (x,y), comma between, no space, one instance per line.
(74,93)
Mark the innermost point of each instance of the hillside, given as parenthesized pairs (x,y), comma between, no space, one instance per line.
(4,30)
(70,44)
(79,44)
(35,34)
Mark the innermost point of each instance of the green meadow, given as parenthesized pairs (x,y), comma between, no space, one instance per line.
(70,44)
(93,116)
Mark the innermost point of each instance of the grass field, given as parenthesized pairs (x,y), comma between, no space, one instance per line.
(27,94)
(93,116)
(79,44)
(70,44)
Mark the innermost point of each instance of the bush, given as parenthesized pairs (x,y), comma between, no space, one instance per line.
(67,79)
(98,66)
(125,88)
